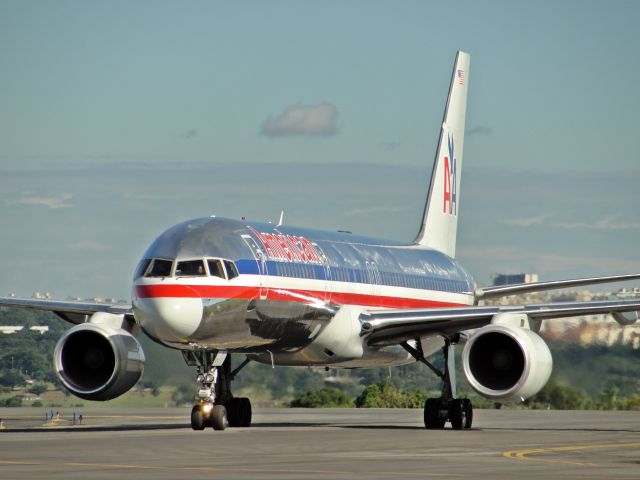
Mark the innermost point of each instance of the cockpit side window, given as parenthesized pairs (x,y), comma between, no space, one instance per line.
(215,268)
(232,271)
(190,268)
(142,268)
(160,268)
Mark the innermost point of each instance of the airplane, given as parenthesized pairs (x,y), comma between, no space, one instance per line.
(216,288)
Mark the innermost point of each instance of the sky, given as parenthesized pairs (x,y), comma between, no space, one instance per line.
(119,119)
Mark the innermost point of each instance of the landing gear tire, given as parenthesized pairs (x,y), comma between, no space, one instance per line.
(219,417)
(467,409)
(245,408)
(456,414)
(233,411)
(239,412)
(432,418)
(198,419)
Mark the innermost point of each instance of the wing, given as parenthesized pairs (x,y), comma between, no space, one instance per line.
(514,289)
(73,312)
(388,327)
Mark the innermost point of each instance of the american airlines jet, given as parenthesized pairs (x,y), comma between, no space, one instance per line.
(216,288)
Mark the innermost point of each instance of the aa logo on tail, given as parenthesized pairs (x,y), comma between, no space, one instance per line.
(450,178)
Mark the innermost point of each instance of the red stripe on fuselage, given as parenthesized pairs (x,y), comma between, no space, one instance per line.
(286,295)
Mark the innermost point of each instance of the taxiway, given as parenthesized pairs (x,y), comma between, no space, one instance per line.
(318,444)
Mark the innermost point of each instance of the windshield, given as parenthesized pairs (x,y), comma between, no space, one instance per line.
(160,268)
(190,268)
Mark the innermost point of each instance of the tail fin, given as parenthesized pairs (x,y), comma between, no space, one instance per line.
(440,218)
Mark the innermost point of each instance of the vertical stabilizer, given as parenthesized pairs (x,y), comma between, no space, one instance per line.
(440,219)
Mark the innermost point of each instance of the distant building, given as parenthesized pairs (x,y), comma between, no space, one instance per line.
(511,278)
(40,296)
(40,329)
(629,293)
(9,329)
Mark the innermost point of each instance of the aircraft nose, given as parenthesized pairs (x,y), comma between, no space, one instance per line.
(169,319)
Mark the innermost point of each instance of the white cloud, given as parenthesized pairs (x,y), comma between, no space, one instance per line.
(610,222)
(54,201)
(372,210)
(512,259)
(527,222)
(317,120)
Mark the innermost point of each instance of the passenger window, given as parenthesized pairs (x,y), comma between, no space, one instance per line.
(215,268)
(232,271)
(141,268)
(190,268)
(160,268)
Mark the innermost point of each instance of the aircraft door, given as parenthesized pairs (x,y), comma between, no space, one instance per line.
(260,256)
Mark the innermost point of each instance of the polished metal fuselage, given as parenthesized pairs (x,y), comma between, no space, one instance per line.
(279,309)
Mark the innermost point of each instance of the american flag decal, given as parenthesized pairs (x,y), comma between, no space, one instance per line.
(461,77)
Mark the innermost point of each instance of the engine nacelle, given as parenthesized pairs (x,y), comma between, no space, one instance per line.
(506,363)
(96,361)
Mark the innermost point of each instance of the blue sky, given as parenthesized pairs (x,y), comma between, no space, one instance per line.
(94,95)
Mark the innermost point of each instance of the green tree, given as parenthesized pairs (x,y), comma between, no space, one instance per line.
(38,389)
(183,394)
(12,378)
(323,398)
(631,403)
(609,398)
(559,397)
(15,401)
(385,395)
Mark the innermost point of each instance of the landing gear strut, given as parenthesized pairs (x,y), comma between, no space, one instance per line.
(447,408)
(217,408)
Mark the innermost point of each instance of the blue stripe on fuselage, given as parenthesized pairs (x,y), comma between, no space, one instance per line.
(352,275)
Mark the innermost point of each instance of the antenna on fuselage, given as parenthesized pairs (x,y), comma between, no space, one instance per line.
(281,218)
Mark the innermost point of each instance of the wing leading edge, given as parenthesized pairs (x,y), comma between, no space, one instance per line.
(73,312)
(394,326)
(518,288)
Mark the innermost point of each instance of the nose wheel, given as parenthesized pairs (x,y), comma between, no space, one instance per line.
(208,415)
(217,408)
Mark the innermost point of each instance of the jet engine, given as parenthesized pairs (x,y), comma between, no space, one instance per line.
(96,361)
(506,363)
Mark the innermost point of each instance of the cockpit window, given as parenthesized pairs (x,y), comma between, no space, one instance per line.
(215,268)
(160,268)
(232,271)
(190,268)
(141,268)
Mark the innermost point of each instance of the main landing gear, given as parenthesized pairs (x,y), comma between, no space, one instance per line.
(447,408)
(217,408)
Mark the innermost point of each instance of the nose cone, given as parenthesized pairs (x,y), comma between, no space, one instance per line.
(169,319)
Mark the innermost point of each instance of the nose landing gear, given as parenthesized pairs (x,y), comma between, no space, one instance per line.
(217,408)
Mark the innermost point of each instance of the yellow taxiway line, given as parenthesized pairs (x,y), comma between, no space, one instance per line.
(524,454)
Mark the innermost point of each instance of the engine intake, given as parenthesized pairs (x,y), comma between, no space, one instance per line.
(98,362)
(506,363)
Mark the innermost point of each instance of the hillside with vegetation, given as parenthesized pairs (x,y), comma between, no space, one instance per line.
(591,376)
